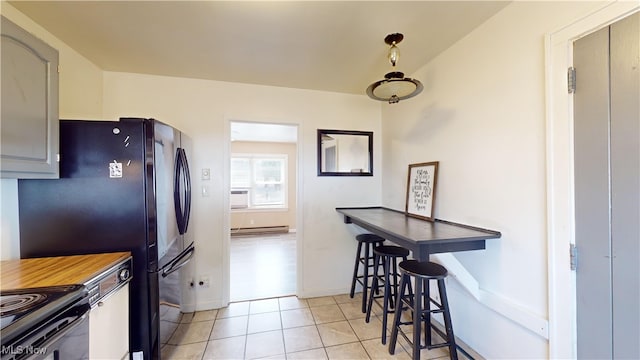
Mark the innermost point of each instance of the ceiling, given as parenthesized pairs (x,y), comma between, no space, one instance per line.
(321,45)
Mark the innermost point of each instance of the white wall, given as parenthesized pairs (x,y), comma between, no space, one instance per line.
(482,116)
(203,109)
(80,97)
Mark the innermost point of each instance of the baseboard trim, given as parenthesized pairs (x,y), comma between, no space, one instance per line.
(280,229)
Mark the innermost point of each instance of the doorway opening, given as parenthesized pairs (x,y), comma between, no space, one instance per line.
(263,169)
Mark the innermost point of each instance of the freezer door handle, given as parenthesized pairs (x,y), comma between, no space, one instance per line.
(179,261)
(182,195)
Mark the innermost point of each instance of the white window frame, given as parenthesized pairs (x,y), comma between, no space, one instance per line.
(251,198)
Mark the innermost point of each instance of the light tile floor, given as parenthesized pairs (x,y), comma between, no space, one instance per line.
(331,327)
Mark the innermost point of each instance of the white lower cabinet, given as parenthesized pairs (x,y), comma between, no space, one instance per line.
(109,327)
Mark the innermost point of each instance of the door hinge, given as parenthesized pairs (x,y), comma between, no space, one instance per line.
(573,256)
(571,80)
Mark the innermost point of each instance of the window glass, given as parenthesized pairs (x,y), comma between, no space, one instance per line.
(264,176)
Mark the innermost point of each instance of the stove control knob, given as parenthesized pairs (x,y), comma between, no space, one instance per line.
(123,275)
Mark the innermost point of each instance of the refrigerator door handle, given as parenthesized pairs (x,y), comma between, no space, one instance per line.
(179,194)
(177,202)
(187,195)
(181,260)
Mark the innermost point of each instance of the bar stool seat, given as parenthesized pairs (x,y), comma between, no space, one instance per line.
(370,242)
(422,272)
(386,256)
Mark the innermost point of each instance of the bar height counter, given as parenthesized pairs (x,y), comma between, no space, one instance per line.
(421,237)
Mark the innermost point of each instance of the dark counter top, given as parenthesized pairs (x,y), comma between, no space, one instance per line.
(422,237)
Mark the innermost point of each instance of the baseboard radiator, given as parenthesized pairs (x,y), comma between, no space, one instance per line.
(281,229)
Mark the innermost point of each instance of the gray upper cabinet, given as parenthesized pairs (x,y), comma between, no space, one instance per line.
(29,115)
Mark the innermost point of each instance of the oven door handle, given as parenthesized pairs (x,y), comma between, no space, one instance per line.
(49,343)
(180,261)
(74,324)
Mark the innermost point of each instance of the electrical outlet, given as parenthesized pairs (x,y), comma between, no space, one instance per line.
(204,281)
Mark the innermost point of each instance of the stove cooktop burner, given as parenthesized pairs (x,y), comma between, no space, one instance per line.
(15,304)
(20,309)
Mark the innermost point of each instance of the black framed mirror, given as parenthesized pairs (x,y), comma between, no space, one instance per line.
(345,153)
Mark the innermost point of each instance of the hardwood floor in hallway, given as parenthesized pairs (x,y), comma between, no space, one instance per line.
(262,266)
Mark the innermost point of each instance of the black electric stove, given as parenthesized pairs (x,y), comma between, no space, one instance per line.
(31,318)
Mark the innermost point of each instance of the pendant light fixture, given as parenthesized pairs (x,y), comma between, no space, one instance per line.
(394,87)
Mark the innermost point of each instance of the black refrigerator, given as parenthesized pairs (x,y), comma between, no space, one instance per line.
(124,186)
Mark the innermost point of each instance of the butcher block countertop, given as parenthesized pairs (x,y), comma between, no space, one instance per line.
(53,271)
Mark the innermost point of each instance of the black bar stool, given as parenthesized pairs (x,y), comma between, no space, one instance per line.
(423,272)
(370,241)
(386,256)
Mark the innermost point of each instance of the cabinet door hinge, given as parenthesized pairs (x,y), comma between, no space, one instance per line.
(571,80)
(573,256)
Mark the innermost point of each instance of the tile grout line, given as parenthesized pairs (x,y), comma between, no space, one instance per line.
(284,344)
(246,333)
(354,331)
(215,319)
